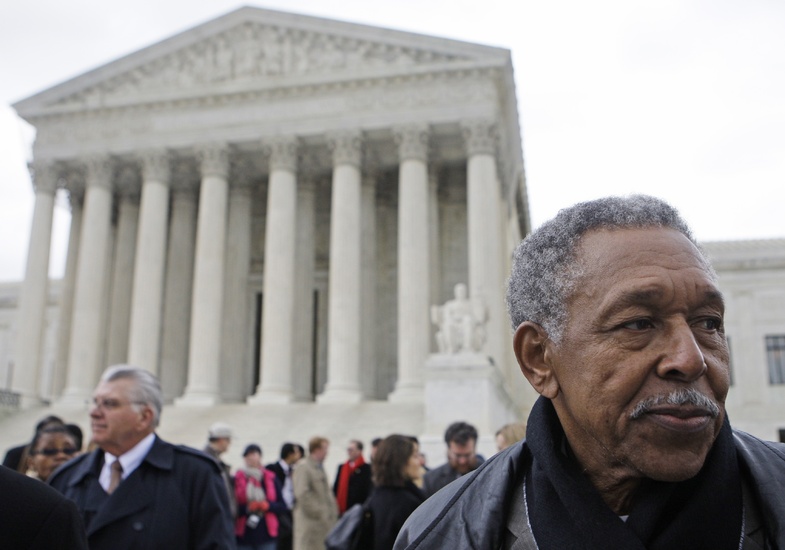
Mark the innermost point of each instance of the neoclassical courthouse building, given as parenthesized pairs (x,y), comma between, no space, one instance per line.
(266,207)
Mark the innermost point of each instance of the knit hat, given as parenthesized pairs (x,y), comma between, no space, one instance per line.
(252,448)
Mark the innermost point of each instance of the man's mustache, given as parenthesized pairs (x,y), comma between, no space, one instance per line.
(682,396)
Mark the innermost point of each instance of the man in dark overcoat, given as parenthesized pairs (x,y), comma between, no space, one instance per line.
(136,491)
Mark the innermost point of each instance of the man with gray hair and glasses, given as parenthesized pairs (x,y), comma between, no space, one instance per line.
(618,324)
(136,490)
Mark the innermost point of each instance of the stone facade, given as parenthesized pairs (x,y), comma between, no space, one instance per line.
(266,207)
(752,279)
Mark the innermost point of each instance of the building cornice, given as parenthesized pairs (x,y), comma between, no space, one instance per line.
(746,255)
(227,95)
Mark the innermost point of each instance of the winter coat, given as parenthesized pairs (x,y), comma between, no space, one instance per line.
(315,510)
(390,507)
(472,512)
(176,498)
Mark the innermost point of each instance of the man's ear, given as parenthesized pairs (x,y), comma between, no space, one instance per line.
(146,416)
(534,351)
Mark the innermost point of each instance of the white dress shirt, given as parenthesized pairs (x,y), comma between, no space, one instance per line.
(130,460)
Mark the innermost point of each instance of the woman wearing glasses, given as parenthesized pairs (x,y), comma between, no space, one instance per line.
(50,448)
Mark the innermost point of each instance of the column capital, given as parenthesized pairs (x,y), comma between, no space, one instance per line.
(283,151)
(480,136)
(156,165)
(346,147)
(412,141)
(45,176)
(99,172)
(214,160)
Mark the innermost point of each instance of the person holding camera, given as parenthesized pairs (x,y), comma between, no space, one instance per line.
(259,501)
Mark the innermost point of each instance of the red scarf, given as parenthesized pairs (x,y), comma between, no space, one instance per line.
(343,483)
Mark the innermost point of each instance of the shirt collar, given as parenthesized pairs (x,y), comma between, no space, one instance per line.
(131,459)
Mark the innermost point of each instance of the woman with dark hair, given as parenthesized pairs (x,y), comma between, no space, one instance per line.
(395,466)
(259,501)
(50,448)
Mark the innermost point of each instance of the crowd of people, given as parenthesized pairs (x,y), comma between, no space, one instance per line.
(287,503)
(618,326)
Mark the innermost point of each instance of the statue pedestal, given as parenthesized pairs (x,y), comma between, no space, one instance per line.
(467,387)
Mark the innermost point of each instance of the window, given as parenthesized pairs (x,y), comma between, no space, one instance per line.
(775,358)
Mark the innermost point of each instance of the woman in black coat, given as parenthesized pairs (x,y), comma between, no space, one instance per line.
(395,465)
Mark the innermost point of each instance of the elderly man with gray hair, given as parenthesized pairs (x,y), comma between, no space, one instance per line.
(136,490)
(618,324)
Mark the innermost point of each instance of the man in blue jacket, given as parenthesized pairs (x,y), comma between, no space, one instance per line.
(137,491)
(619,327)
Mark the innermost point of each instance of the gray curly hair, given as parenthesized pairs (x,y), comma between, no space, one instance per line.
(545,270)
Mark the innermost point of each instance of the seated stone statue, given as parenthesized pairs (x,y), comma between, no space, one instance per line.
(461,323)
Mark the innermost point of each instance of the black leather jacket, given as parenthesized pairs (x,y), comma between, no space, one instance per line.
(472,512)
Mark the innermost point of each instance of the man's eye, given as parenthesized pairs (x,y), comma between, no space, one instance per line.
(710,323)
(638,324)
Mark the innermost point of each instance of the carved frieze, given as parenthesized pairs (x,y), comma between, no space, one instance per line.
(258,51)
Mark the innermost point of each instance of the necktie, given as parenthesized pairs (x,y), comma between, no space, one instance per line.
(117,476)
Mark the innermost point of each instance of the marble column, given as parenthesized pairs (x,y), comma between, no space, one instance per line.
(148,284)
(35,288)
(368,374)
(75,198)
(178,289)
(204,354)
(280,253)
(434,241)
(414,281)
(237,333)
(85,349)
(106,291)
(344,315)
(304,312)
(123,270)
(485,239)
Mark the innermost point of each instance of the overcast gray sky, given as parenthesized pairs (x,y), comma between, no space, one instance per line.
(677,98)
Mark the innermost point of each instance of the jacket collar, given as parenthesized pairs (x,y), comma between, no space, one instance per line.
(489,489)
(161,456)
(134,493)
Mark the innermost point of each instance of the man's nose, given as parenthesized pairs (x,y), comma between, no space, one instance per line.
(682,357)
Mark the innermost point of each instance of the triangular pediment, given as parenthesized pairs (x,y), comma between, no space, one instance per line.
(254,48)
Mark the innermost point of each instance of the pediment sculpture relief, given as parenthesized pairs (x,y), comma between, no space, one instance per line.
(255,51)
